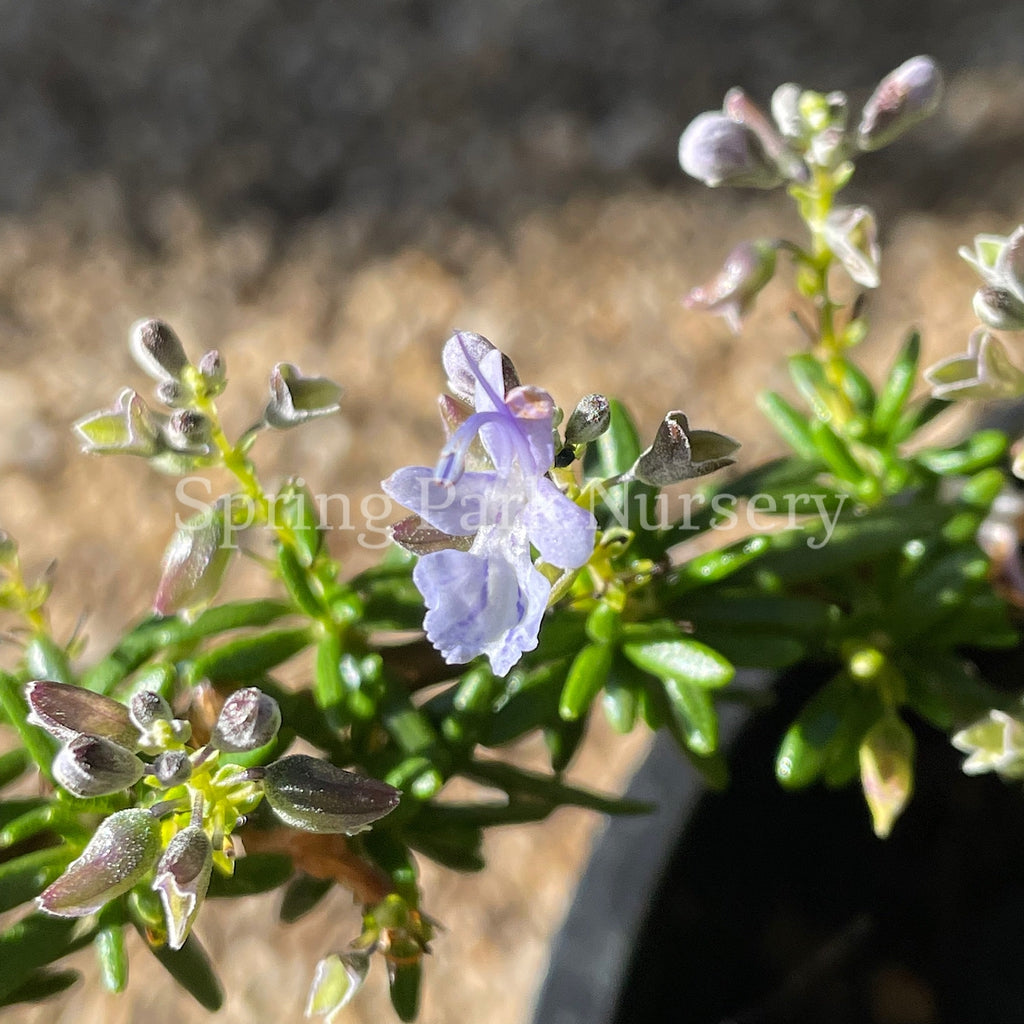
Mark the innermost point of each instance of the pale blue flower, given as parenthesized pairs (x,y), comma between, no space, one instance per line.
(490,599)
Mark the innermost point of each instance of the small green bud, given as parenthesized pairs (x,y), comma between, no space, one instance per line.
(905,96)
(65,711)
(214,371)
(294,399)
(315,796)
(121,851)
(182,878)
(156,348)
(249,719)
(95,766)
(887,770)
(589,420)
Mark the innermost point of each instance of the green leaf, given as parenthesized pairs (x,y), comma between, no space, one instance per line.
(40,985)
(620,700)
(110,947)
(684,659)
(563,740)
(835,453)
(586,677)
(303,894)
(694,711)
(25,877)
(520,782)
(13,765)
(294,508)
(810,379)
(753,648)
(31,943)
(791,425)
(328,687)
(456,846)
(946,690)
(190,967)
(715,566)
(898,386)
(249,657)
(297,582)
(45,659)
(856,386)
(404,981)
(530,701)
(803,753)
(256,873)
(981,450)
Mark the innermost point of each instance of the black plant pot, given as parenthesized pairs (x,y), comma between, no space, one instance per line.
(758,906)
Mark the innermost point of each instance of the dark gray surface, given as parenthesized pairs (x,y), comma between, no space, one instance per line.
(591,953)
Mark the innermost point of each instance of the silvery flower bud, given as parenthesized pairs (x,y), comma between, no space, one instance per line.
(213,370)
(95,766)
(743,110)
(172,768)
(121,851)
(182,878)
(1009,265)
(999,309)
(731,292)
(718,151)
(65,711)
(195,562)
(337,979)
(147,707)
(157,350)
(189,432)
(589,420)
(313,795)
(786,111)
(294,399)
(248,719)
(678,453)
(905,96)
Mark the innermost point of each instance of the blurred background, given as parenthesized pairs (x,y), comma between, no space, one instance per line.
(339,185)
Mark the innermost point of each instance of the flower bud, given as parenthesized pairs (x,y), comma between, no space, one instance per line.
(994,743)
(248,719)
(182,878)
(905,96)
(65,711)
(95,766)
(985,372)
(195,562)
(157,350)
(678,453)
(852,236)
(589,420)
(172,768)
(1009,265)
(130,428)
(743,110)
(315,796)
(121,851)
(786,111)
(887,770)
(188,431)
(337,979)
(461,352)
(731,292)
(294,399)
(214,371)
(147,707)
(999,308)
(718,151)
(173,394)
